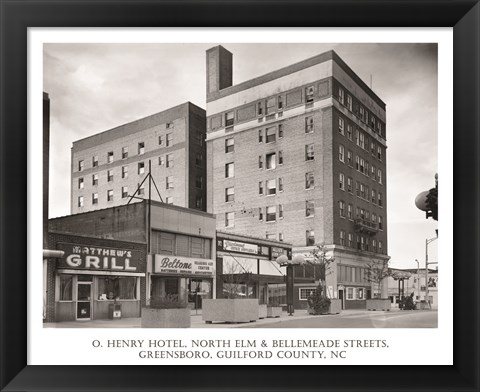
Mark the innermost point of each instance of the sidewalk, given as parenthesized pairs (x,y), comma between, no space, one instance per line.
(197,322)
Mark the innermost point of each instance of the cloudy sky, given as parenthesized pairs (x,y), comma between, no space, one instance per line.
(95,87)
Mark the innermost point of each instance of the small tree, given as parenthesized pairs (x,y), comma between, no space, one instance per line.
(321,265)
(234,278)
(375,272)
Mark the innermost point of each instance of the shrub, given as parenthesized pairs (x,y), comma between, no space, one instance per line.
(408,303)
(318,302)
(169,301)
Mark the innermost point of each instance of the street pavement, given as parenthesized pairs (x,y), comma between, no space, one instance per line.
(346,319)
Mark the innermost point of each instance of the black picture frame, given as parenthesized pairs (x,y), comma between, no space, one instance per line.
(18,15)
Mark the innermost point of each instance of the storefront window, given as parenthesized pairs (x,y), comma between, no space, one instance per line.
(110,288)
(66,287)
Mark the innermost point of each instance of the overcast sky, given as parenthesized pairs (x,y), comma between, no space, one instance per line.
(95,87)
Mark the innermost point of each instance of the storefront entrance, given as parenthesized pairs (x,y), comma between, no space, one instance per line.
(84,300)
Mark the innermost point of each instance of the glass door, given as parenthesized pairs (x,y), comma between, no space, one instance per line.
(84,300)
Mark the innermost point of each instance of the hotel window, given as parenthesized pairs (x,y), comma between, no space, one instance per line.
(341,126)
(169,160)
(95,161)
(270,104)
(350,211)
(199,182)
(259,109)
(229,145)
(169,182)
(260,161)
(349,158)
(161,160)
(229,119)
(309,208)
(271,236)
(350,240)
(280,211)
(141,190)
(271,161)
(309,180)
(80,165)
(309,152)
(350,293)
(271,214)
(260,187)
(380,247)
(362,113)
(374,218)
(198,159)
(141,167)
(280,237)
(341,205)
(309,124)
(362,140)
(350,185)
(80,201)
(357,162)
(309,94)
(362,165)
(199,139)
(124,192)
(80,183)
(110,195)
(280,102)
(170,139)
(357,188)
(374,245)
(357,137)
(341,153)
(260,136)
(280,158)
(270,135)
(349,132)
(230,194)
(271,187)
(367,192)
(94,198)
(169,200)
(280,184)
(341,181)
(124,152)
(380,223)
(341,95)
(260,214)
(160,140)
(229,219)
(379,175)
(95,179)
(198,202)
(110,157)
(280,131)
(342,238)
(109,175)
(66,287)
(310,234)
(379,153)
(367,166)
(372,148)
(372,172)
(229,170)
(349,102)
(141,148)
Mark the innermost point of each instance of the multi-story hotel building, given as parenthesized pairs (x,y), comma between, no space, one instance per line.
(109,167)
(299,155)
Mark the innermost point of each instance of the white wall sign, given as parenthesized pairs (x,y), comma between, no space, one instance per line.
(177,265)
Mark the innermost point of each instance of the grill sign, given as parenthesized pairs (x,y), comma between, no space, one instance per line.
(99,258)
(183,266)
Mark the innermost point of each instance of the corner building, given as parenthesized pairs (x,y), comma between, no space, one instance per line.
(107,168)
(299,155)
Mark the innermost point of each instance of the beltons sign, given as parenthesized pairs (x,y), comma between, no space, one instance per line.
(166,264)
(88,257)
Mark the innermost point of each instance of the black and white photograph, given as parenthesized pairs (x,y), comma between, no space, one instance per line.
(241,185)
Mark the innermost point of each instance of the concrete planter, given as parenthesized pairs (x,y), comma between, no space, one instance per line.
(274,311)
(165,318)
(230,310)
(378,304)
(262,311)
(334,308)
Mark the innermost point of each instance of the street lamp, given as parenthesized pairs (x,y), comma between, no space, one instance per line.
(290,283)
(427,242)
